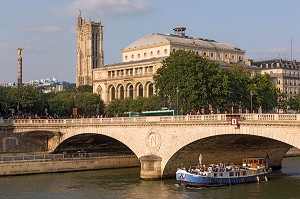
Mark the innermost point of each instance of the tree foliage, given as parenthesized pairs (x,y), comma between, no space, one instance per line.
(195,82)
(119,107)
(89,104)
(61,104)
(85,88)
(27,99)
(265,92)
(191,80)
(294,103)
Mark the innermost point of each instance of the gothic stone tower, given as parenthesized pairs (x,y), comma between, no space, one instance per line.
(89,50)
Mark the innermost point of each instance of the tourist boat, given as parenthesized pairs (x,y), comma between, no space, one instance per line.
(251,170)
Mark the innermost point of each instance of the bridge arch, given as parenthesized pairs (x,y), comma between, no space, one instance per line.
(115,134)
(226,148)
(92,143)
(274,142)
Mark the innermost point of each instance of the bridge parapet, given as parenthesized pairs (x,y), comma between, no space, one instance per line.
(181,118)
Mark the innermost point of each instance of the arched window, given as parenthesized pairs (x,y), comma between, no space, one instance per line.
(121,92)
(113,93)
(150,89)
(141,90)
(130,91)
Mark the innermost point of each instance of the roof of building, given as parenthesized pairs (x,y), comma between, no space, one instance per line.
(277,63)
(157,38)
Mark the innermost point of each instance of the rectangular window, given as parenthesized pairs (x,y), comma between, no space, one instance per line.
(150,69)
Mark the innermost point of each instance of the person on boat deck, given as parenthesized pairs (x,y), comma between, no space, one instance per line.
(221,165)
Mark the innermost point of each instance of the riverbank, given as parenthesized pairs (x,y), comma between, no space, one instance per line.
(53,166)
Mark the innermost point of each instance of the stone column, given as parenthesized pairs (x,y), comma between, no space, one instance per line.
(150,167)
(20,66)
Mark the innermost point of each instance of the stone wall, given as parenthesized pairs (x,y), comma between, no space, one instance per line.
(22,168)
(21,142)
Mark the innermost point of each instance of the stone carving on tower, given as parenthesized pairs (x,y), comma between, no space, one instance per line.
(89,50)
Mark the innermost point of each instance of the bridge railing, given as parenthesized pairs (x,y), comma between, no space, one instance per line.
(180,118)
(68,156)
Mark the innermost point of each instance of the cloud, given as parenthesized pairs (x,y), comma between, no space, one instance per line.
(106,7)
(45,29)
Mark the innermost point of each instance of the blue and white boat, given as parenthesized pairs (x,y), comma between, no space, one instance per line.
(251,170)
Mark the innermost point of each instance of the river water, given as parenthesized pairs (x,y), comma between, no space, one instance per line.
(125,183)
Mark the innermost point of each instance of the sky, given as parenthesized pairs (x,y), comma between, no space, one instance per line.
(46,29)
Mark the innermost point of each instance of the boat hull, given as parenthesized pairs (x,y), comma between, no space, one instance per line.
(189,179)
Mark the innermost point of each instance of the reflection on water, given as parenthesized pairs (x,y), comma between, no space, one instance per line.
(125,183)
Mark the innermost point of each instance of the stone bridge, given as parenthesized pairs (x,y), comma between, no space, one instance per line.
(163,143)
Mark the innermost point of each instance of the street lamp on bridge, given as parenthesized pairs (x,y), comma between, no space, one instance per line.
(177,92)
(251,95)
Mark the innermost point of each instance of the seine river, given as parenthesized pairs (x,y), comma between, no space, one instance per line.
(125,183)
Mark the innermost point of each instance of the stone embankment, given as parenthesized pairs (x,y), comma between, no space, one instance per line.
(80,164)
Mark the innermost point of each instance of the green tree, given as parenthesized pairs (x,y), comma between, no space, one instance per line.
(26,99)
(89,104)
(266,92)
(153,103)
(85,88)
(294,103)
(191,80)
(4,102)
(282,103)
(70,88)
(238,88)
(61,104)
(113,108)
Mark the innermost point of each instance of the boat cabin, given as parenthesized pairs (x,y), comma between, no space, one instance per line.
(254,162)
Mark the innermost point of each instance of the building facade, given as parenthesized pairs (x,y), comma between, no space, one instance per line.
(141,59)
(285,74)
(89,50)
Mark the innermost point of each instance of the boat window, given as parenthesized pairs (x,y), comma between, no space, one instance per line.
(215,174)
(221,174)
(237,174)
(231,174)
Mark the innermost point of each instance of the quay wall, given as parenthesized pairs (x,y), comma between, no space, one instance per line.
(52,166)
